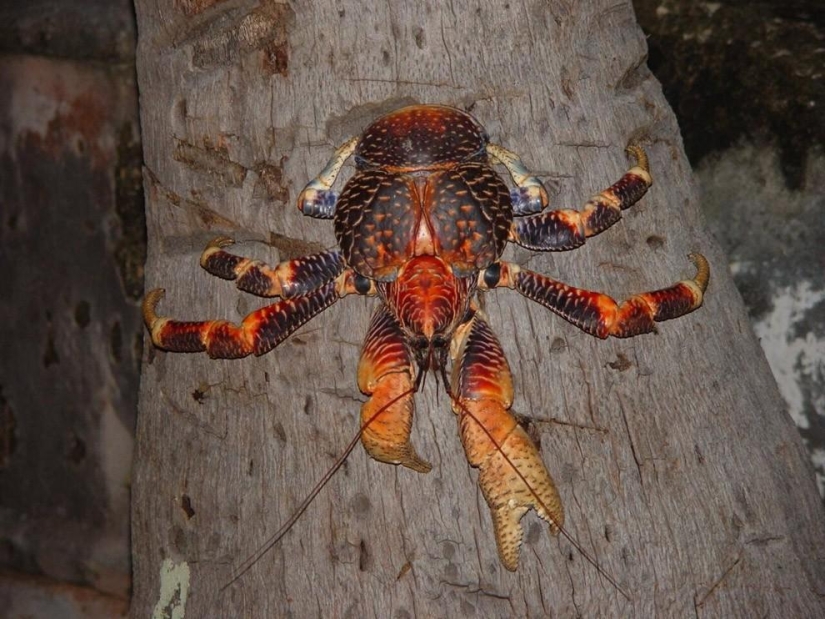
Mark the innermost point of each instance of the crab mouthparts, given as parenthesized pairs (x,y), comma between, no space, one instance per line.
(431,356)
(429,301)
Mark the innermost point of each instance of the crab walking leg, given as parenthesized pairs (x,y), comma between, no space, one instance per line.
(512,476)
(597,313)
(258,333)
(384,372)
(567,228)
(529,196)
(288,279)
(317,199)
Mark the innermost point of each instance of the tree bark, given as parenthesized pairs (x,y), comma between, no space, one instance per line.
(681,473)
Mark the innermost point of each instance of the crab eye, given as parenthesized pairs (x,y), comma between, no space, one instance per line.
(439,341)
(362,284)
(492,275)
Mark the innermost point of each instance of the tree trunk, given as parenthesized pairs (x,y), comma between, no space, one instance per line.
(680,471)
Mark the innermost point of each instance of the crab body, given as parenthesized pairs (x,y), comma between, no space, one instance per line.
(422,215)
(423,186)
(422,225)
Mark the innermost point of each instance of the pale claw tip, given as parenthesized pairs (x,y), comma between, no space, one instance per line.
(702,270)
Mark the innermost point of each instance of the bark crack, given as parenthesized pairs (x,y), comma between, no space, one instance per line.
(636,458)
(475,588)
(700,602)
(447,48)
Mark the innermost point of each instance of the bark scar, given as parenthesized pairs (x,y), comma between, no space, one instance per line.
(698,603)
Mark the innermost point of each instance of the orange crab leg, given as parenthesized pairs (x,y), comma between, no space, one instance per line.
(597,313)
(512,476)
(567,229)
(384,372)
(258,333)
(288,279)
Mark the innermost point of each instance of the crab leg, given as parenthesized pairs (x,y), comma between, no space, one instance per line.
(317,199)
(288,279)
(384,372)
(529,196)
(258,333)
(567,229)
(597,313)
(512,476)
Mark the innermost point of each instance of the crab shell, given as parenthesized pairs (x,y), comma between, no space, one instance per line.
(423,186)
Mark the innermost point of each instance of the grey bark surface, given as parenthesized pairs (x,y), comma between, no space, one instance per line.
(680,470)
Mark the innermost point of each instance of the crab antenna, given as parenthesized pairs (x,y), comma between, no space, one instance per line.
(247,564)
(431,363)
(420,379)
(445,379)
(561,529)
(252,559)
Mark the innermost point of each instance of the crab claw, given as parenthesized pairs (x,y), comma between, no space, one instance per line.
(512,476)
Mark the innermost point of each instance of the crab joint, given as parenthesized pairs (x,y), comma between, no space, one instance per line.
(699,283)
(350,282)
(214,246)
(498,275)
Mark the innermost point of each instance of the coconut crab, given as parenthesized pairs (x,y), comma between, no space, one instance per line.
(422,225)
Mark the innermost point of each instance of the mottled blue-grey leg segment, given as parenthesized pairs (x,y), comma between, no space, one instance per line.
(565,229)
(288,279)
(529,196)
(317,199)
(321,204)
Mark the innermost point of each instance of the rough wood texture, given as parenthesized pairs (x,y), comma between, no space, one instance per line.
(681,473)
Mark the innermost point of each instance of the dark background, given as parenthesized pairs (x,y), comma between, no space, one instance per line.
(746,80)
